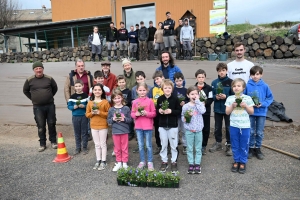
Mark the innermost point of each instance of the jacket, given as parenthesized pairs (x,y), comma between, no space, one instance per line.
(151,31)
(131,38)
(143,34)
(186,33)
(159,36)
(130,79)
(119,127)
(219,105)
(177,32)
(196,123)
(98,121)
(155,93)
(208,92)
(127,96)
(143,122)
(171,71)
(171,24)
(110,81)
(111,35)
(91,37)
(83,98)
(69,84)
(122,34)
(276,112)
(169,120)
(264,94)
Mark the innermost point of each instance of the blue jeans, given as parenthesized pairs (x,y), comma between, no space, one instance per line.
(80,124)
(194,139)
(257,131)
(240,143)
(141,134)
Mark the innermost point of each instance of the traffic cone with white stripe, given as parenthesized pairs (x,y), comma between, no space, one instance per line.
(62,153)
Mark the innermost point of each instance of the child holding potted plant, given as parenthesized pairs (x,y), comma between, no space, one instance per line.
(239,124)
(143,111)
(119,119)
(193,123)
(97,111)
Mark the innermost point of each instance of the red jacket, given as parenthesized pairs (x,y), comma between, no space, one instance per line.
(110,81)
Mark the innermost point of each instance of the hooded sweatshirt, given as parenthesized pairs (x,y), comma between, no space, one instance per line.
(186,32)
(143,122)
(264,94)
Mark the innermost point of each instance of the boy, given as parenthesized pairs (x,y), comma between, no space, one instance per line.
(99,78)
(154,94)
(140,77)
(132,38)
(205,93)
(168,109)
(256,87)
(181,92)
(125,91)
(77,104)
(219,108)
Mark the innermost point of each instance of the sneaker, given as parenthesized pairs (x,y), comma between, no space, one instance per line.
(90,137)
(191,169)
(259,154)
(102,166)
(113,153)
(97,165)
(42,148)
(251,153)
(141,165)
(54,145)
(136,150)
(235,167)
(184,152)
(85,151)
(217,146)
(197,169)
(203,150)
(117,167)
(77,151)
(125,166)
(150,166)
(228,150)
(163,167)
(174,168)
(242,169)
(157,151)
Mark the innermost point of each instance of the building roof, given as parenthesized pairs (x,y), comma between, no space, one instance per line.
(28,15)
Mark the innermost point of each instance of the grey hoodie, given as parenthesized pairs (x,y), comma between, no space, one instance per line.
(186,33)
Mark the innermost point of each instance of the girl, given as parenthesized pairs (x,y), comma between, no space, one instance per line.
(119,119)
(239,107)
(158,40)
(193,123)
(143,111)
(97,110)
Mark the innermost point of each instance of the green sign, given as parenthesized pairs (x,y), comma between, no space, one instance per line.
(219,4)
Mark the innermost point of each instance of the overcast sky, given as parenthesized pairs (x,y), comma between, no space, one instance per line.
(239,11)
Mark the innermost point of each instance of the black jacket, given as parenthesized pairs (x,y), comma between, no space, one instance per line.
(143,34)
(91,37)
(170,31)
(127,96)
(122,34)
(177,32)
(209,94)
(111,35)
(151,31)
(170,120)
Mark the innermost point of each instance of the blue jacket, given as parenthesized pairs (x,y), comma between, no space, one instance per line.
(171,71)
(219,105)
(83,98)
(264,94)
(132,39)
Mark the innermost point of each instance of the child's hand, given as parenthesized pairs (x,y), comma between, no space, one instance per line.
(161,111)
(95,112)
(243,105)
(197,97)
(182,103)
(137,113)
(122,118)
(168,111)
(222,96)
(218,96)
(144,113)
(75,106)
(258,106)
(81,106)
(234,104)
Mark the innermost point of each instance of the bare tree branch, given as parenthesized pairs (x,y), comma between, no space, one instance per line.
(9,13)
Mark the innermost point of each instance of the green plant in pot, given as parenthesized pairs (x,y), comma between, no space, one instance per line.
(255,97)
(220,88)
(238,99)
(188,116)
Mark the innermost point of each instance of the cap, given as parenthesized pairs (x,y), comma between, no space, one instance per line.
(106,63)
(37,64)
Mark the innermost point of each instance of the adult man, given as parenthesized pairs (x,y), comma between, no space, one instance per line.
(150,44)
(95,40)
(143,38)
(132,37)
(240,67)
(40,89)
(111,41)
(129,74)
(178,44)
(169,32)
(123,40)
(110,80)
(137,28)
(186,39)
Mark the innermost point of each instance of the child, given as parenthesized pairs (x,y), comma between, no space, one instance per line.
(256,87)
(239,107)
(154,94)
(77,104)
(191,115)
(206,96)
(220,94)
(99,78)
(140,77)
(97,110)
(168,109)
(120,128)
(180,91)
(143,111)
(121,80)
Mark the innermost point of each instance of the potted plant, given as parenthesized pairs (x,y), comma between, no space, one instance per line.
(78,102)
(202,95)
(188,116)
(165,105)
(122,176)
(95,106)
(180,97)
(220,88)
(159,180)
(118,114)
(238,99)
(150,178)
(142,178)
(255,97)
(140,109)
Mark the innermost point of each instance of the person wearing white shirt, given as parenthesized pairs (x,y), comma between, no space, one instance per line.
(95,40)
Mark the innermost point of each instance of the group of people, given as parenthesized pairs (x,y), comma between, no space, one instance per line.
(143,42)
(128,105)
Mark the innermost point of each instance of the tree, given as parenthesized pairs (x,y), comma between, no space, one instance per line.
(8,13)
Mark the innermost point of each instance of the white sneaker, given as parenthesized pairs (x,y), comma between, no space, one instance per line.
(102,166)
(113,154)
(117,167)
(96,165)
(125,166)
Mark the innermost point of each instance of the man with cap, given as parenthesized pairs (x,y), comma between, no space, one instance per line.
(40,89)
(129,74)
(110,80)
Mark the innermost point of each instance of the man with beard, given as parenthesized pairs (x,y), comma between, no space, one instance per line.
(240,67)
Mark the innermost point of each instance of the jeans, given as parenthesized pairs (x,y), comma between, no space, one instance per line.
(257,131)
(141,135)
(80,124)
(218,127)
(240,143)
(171,136)
(41,115)
(194,139)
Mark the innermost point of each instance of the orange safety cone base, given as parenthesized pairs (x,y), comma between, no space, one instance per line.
(59,160)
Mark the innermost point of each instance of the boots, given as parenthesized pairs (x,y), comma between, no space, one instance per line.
(93,57)
(185,55)
(191,55)
(259,154)
(100,57)
(109,55)
(251,153)
(228,150)
(115,55)
(133,55)
(155,54)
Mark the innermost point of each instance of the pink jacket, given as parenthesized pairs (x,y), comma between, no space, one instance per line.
(143,122)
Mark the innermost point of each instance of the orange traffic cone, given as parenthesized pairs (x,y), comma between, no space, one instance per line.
(62,153)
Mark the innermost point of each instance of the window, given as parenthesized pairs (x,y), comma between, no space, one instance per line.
(134,15)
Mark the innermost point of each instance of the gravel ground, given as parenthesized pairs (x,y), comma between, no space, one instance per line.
(27,174)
